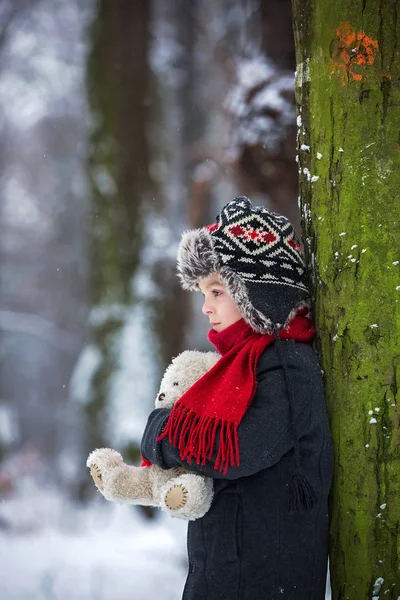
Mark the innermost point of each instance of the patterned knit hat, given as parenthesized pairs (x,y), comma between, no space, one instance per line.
(259,260)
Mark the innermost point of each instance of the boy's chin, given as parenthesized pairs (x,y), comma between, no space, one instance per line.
(222,326)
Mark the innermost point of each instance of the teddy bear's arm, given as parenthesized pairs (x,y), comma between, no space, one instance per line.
(127,484)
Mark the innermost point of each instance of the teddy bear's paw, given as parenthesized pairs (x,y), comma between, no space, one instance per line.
(104,457)
(99,462)
(187,497)
(176,497)
(96,475)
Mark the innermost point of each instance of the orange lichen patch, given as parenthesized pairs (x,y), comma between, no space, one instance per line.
(351,52)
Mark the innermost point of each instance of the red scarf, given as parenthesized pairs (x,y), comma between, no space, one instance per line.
(216,403)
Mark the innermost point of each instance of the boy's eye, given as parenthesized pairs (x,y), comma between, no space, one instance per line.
(217,292)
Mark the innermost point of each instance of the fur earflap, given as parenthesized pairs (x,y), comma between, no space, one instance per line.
(196,258)
(238,292)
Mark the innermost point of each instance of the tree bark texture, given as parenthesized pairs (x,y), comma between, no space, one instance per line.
(348,106)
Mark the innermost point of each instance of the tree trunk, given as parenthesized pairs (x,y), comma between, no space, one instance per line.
(348,96)
(119,90)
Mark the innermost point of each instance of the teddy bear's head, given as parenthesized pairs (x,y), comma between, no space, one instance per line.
(184,370)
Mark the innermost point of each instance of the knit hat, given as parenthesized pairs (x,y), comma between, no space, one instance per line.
(258,258)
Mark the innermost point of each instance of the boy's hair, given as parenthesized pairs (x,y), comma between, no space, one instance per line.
(258,258)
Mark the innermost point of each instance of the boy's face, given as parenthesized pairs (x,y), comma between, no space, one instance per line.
(218,305)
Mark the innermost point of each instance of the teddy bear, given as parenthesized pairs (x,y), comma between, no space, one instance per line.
(177,491)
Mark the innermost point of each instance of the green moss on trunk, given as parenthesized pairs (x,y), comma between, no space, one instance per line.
(348,96)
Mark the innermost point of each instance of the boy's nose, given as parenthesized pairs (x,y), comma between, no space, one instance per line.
(207,310)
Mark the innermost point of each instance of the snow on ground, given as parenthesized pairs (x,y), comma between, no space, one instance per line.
(53,550)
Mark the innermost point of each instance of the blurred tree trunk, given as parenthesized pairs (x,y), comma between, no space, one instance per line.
(266,164)
(182,118)
(348,94)
(277,34)
(119,90)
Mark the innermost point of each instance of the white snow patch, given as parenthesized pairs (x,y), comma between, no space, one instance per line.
(81,380)
(9,430)
(373,326)
(382,506)
(305,147)
(319,155)
(373,421)
(303,72)
(314,178)
(132,387)
(377,585)
(341,150)
(104,551)
(343,233)
(354,246)
(396,262)
(269,91)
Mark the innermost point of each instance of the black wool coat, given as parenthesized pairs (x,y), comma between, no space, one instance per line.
(249,546)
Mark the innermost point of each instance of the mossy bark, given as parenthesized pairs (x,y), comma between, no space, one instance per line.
(119,84)
(348,95)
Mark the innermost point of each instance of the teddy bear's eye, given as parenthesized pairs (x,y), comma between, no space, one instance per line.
(176,383)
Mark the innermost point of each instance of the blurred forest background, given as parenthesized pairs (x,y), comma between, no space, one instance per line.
(122,123)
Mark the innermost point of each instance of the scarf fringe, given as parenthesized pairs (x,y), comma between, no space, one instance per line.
(195,438)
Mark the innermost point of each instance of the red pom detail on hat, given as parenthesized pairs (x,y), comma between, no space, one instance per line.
(294,245)
(255,235)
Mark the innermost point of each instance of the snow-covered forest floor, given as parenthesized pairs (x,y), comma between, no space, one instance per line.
(50,549)
(53,550)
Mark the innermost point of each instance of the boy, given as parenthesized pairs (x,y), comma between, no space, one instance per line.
(256,422)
